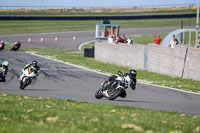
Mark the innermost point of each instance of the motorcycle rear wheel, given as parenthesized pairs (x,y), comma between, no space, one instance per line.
(117,92)
(3,79)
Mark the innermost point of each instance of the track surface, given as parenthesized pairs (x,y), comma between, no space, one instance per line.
(65,40)
(59,80)
(68,82)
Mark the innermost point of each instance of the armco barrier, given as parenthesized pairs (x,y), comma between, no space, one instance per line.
(180,61)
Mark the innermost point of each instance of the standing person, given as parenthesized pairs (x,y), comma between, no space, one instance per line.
(157,40)
(119,40)
(110,39)
(198,44)
(129,40)
(173,41)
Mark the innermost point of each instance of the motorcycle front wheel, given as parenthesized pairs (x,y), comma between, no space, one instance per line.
(99,94)
(23,83)
(114,93)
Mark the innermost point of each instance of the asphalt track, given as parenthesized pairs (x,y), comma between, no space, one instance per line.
(60,80)
(65,39)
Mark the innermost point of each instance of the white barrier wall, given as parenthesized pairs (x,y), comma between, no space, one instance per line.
(179,61)
(192,65)
(166,60)
(120,54)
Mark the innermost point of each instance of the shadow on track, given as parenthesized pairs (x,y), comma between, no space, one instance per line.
(130,101)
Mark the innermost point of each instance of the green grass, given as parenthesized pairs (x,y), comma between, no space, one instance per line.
(27,27)
(22,114)
(149,38)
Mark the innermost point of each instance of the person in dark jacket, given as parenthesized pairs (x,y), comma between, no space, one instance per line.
(131,79)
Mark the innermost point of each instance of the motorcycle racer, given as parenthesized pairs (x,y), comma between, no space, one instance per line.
(5,65)
(3,71)
(33,64)
(2,45)
(130,79)
(16,46)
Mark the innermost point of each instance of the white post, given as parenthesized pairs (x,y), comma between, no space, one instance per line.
(197,21)
(189,38)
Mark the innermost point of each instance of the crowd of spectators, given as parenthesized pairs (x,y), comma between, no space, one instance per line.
(126,39)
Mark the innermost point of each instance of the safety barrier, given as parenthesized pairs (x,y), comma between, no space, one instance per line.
(135,17)
(179,61)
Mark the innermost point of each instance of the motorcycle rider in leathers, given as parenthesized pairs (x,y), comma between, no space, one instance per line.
(132,82)
(33,64)
(5,65)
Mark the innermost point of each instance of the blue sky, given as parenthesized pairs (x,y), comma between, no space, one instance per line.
(94,3)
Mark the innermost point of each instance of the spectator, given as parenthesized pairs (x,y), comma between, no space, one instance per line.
(106,33)
(173,42)
(114,39)
(16,46)
(198,45)
(157,40)
(124,39)
(129,40)
(110,39)
(119,40)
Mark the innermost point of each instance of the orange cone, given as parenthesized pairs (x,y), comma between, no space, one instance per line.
(56,39)
(41,40)
(29,40)
(74,38)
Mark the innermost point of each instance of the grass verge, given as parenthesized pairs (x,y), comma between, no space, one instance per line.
(56,115)
(27,27)
(149,38)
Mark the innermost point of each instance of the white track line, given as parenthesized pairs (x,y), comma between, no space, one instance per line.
(85,44)
(107,74)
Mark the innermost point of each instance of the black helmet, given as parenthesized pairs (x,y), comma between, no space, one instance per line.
(34,63)
(132,73)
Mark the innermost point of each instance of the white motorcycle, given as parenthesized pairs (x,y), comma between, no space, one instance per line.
(2,74)
(114,89)
(26,77)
